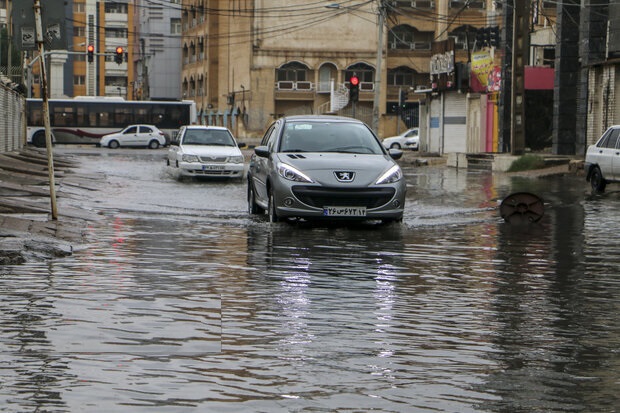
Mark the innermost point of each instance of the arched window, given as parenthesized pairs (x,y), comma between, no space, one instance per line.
(405,37)
(402,76)
(363,71)
(464,37)
(292,72)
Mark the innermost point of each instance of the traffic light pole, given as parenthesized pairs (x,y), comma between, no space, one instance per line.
(377,96)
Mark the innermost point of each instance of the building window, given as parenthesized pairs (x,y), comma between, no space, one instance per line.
(79,80)
(116,81)
(79,31)
(405,37)
(79,57)
(401,76)
(118,33)
(365,73)
(79,7)
(292,72)
(115,7)
(175,26)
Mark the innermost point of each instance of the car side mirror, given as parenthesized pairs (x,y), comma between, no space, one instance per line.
(395,154)
(262,151)
(241,144)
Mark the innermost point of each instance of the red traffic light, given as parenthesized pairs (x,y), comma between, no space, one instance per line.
(118,58)
(354,80)
(90,51)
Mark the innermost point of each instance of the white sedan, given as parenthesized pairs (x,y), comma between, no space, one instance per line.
(135,135)
(602,163)
(205,151)
(409,139)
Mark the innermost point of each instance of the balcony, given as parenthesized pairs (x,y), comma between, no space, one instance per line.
(116,20)
(291,90)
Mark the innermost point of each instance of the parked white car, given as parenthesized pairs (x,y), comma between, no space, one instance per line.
(409,139)
(135,135)
(205,151)
(602,163)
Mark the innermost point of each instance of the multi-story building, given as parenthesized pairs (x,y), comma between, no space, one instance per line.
(148,33)
(253,61)
(157,49)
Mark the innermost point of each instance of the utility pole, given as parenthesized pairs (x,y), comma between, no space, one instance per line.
(377,100)
(46,112)
(520,54)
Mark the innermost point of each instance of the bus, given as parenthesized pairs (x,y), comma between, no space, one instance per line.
(85,119)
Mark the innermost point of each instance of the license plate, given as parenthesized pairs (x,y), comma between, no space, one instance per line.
(212,167)
(335,211)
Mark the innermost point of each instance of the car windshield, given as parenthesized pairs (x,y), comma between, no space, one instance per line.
(343,137)
(215,137)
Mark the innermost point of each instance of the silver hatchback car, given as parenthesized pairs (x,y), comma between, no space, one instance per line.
(325,167)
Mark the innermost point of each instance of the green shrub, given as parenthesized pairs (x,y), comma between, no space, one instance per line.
(526,163)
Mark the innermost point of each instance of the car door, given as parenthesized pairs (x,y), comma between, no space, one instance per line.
(128,136)
(260,165)
(174,148)
(614,154)
(606,151)
(144,135)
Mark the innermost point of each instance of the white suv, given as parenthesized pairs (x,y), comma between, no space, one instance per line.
(602,163)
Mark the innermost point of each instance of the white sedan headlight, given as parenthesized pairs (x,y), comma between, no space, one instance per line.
(292,174)
(394,174)
(190,158)
(236,159)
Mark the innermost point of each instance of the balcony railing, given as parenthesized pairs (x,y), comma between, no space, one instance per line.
(291,85)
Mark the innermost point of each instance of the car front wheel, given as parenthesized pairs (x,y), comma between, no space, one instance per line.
(597,181)
(113,145)
(395,146)
(273,214)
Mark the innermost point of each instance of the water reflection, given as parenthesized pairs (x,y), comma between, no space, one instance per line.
(208,309)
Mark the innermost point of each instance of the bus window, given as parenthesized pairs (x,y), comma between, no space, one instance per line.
(122,118)
(81,117)
(35,116)
(62,116)
(142,115)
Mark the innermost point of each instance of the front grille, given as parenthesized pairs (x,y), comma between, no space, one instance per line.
(210,172)
(321,197)
(215,159)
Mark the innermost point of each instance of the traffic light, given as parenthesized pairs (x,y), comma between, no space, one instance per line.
(118,58)
(90,50)
(404,94)
(494,36)
(354,88)
(481,37)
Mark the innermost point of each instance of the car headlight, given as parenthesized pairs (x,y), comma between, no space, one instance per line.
(236,159)
(394,174)
(292,174)
(190,158)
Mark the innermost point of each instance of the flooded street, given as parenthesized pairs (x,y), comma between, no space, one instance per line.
(180,301)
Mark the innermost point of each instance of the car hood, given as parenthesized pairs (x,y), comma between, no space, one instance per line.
(322,167)
(210,150)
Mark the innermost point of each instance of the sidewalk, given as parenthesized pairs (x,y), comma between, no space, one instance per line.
(27,231)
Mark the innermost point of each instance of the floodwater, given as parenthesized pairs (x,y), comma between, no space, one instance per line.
(182,302)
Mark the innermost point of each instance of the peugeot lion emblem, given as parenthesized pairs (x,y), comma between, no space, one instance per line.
(344,176)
